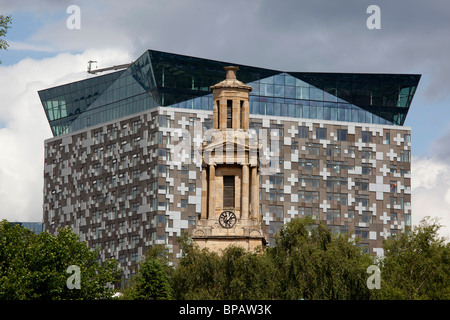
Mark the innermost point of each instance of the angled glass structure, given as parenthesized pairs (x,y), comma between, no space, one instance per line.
(165,79)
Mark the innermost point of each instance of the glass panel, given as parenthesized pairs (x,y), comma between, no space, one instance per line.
(289,80)
(269,108)
(279,91)
(316,94)
(320,112)
(279,79)
(284,110)
(289,92)
(326,113)
(291,110)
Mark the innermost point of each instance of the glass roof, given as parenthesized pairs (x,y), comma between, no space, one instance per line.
(166,79)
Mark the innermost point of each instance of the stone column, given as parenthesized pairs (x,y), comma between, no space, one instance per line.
(236,114)
(204,213)
(254,193)
(245,191)
(245,115)
(212,191)
(216,114)
(223,115)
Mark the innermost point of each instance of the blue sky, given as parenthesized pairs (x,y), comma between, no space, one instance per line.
(291,35)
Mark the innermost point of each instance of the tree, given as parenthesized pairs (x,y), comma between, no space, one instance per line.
(35,266)
(152,278)
(311,263)
(196,275)
(4,25)
(234,274)
(416,264)
(306,262)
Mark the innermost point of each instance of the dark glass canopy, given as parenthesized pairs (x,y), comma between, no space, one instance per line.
(165,79)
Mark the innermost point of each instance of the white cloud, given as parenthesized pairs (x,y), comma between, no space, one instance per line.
(20,45)
(25,127)
(431,191)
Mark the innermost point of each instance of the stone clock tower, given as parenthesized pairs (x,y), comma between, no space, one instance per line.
(230,177)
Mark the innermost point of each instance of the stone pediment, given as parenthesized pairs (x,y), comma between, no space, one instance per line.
(230,151)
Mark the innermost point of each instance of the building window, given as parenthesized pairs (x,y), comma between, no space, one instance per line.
(321,133)
(308,196)
(393,186)
(277,210)
(407,137)
(310,212)
(336,182)
(303,132)
(163,121)
(228,191)
(134,256)
(275,194)
(405,155)
(393,216)
(276,179)
(229,114)
(333,150)
(337,166)
(135,192)
(218,113)
(191,221)
(312,148)
(310,181)
(362,184)
(333,214)
(350,151)
(277,130)
(366,169)
(308,164)
(362,199)
(135,127)
(366,217)
(362,232)
(207,124)
(367,153)
(366,137)
(242,113)
(342,134)
(407,219)
(340,198)
(387,137)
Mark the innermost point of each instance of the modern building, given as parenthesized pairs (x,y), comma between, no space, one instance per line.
(124,168)
(36,227)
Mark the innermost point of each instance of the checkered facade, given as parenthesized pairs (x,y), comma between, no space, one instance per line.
(128,184)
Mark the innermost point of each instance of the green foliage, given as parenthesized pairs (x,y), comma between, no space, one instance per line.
(34,266)
(307,262)
(416,265)
(311,263)
(4,25)
(235,274)
(152,279)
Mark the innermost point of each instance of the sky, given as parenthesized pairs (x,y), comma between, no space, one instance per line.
(291,35)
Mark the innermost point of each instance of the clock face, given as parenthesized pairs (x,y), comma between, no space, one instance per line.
(227,219)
